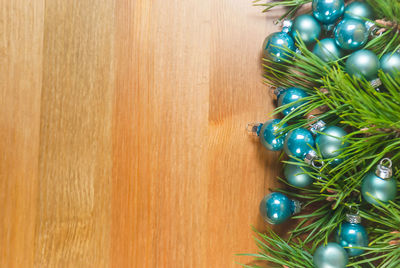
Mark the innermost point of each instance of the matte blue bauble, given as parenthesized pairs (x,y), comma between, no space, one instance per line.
(352,235)
(363,64)
(330,143)
(290,95)
(327,11)
(307,28)
(296,176)
(332,255)
(351,34)
(390,63)
(358,10)
(382,189)
(271,135)
(298,142)
(276,208)
(327,50)
(275,44)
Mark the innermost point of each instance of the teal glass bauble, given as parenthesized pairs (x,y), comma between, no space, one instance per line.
(383,190)
(390,63)
(358,10)
(327,11)
(275,45)
(352,235)
(351,34)
(327,50)
(330,143)
(271,135)
(291,95)
(276,208)
(331,255)
(307,28)
(363,64)
(299,142)
(296,176)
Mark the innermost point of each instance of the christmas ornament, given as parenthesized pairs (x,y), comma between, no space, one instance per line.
(358,10)
(327,50)
(363,64)
(331,255)
(296,176)
(390,63)
(307,28)
(351,34)
(275,44)
(291,95)
(380,185)
(276,208)
(298,143)
(271,136)
(327,11)
(352,234)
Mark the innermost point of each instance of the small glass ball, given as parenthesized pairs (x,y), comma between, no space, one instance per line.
(330,143)
(290,95)
(390,63)
(296,176)
(327,11)
(331,255)
(271,135)
(298,142)
(327,50)
(352,235)
(276,208)
(383,190)
(363,64)
(307,28)
(351,34)
(358,10)
(275,44)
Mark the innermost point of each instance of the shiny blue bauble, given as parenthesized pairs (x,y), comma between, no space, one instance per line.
(363,64)
(358,10)
(327,11)
(331,255)
(275,44)
(299,142)
(383,190)
(307,28)
(390,63)
(327,50)
(352,235)
(351,34)
(271,135)
(330,143)
(290,95)
(276,208)
(296,176)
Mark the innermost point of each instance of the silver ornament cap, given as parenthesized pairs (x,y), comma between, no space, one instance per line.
(318,126)
(353,218)
(384,169)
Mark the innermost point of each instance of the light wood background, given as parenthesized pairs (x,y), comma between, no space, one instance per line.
(122,139)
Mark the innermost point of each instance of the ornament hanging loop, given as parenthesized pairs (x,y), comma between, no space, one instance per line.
(384,169)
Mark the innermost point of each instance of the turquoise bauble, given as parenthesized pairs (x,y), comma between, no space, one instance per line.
(330,143)
(271,135)
(390,63)
(276,208)
(298,142)
(307,28)
(358,10)
(327,11)
(351,34)
(363,64)
(327,50)
(383,190)
(275,44)
(290,95)
(296,176)
(352,235)
(331,255)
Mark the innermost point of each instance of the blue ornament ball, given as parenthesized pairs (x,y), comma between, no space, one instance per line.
(352,235)
(383,190)
(271,135)
(363,64)
(328,50)
(276,208)
(390,63)
(275,45)
(327,11)
(291,95)
(307,28)
(299,142)
(296,176)
(351,34)
(331,255)
(358,10)
(330,143)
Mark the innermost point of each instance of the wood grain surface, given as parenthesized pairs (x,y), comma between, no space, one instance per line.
(122,139)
